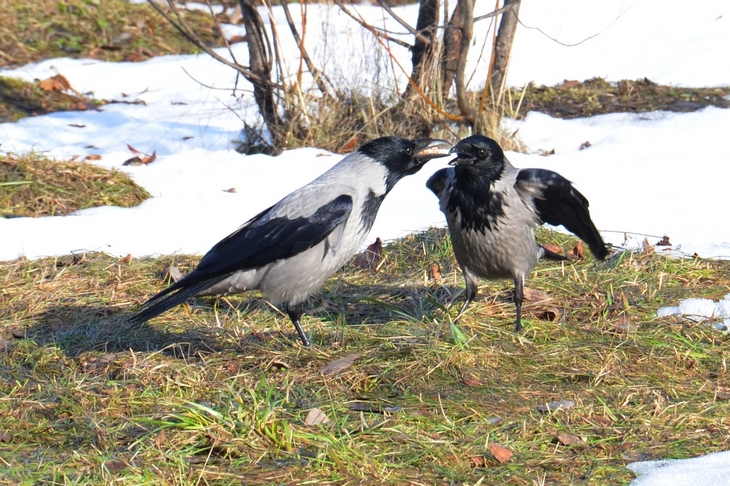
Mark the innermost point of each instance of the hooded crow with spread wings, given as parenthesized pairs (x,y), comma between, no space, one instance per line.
(288,250)
(493,208)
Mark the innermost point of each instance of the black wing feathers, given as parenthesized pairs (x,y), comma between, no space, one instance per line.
(562,204)
(437,182)
(252,246)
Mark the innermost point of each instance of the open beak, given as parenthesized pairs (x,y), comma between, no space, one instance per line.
(431,148)
(454,150)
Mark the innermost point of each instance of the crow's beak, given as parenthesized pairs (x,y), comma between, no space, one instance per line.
(431,148)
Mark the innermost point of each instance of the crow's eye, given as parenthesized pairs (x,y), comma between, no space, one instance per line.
(409,151)
(482,152)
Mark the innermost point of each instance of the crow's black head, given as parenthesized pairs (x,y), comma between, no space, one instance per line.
(479,153)
(403,157)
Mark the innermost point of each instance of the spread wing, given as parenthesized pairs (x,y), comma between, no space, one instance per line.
(262,240)
(557,202)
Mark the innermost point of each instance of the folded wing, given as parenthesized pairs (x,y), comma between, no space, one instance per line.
(262,240)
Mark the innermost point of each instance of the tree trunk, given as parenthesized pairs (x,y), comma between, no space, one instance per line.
(467,31)
(502,49)
(451,48)
(260,64)
(424,47)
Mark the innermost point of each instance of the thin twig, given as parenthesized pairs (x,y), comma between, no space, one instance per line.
(185,30)
(374,30)
(405,24)
(319,78)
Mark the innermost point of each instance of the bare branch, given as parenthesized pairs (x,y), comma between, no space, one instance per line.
(495,13)
(319,78)
(375,31)
(410,29)
(185,30)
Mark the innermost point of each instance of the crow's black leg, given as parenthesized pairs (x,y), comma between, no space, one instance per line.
(295,314)
(471,291)
(519,297)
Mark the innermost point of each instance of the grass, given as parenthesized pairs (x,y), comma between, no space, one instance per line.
(109,30)
(572,99)
(32,185)
(217,392)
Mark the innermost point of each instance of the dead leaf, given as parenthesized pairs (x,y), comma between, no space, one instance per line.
(350,145)
(161,438)
(173,273)
(371,256)
(500,453)
(140,158)
(584,145)
(5,437)
(569,83)
(469,379)
(568,439)
(476,461)
(55,83)
(99,361)
(115,465)
(553,248)
(232,190)
(126,259)
(646,246)
(601,420)
(577,253)
(534,295)
(17,332)
(338,366)
(556,405)
(316,417)
(93,157)
(434,273)
(663,242)
(722,395)
(545,153)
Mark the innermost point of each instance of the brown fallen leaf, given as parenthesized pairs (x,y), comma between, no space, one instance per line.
(55,83)
(646,246)
(126,259)
(232,190)
(568,439)
(500,453)
(5,437)
(476,461)
(434,272)
(534,295)
(140,158)
(371,256)
(577,253)
(663,242)
(556,405)
(161,438)
(315,417)
(350,145)
(173,273)
(93,157)
(338,366)
(553,248)
(722,395)
(584,145)
(116,465)
(16,331)
(569,83)
(99,361)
